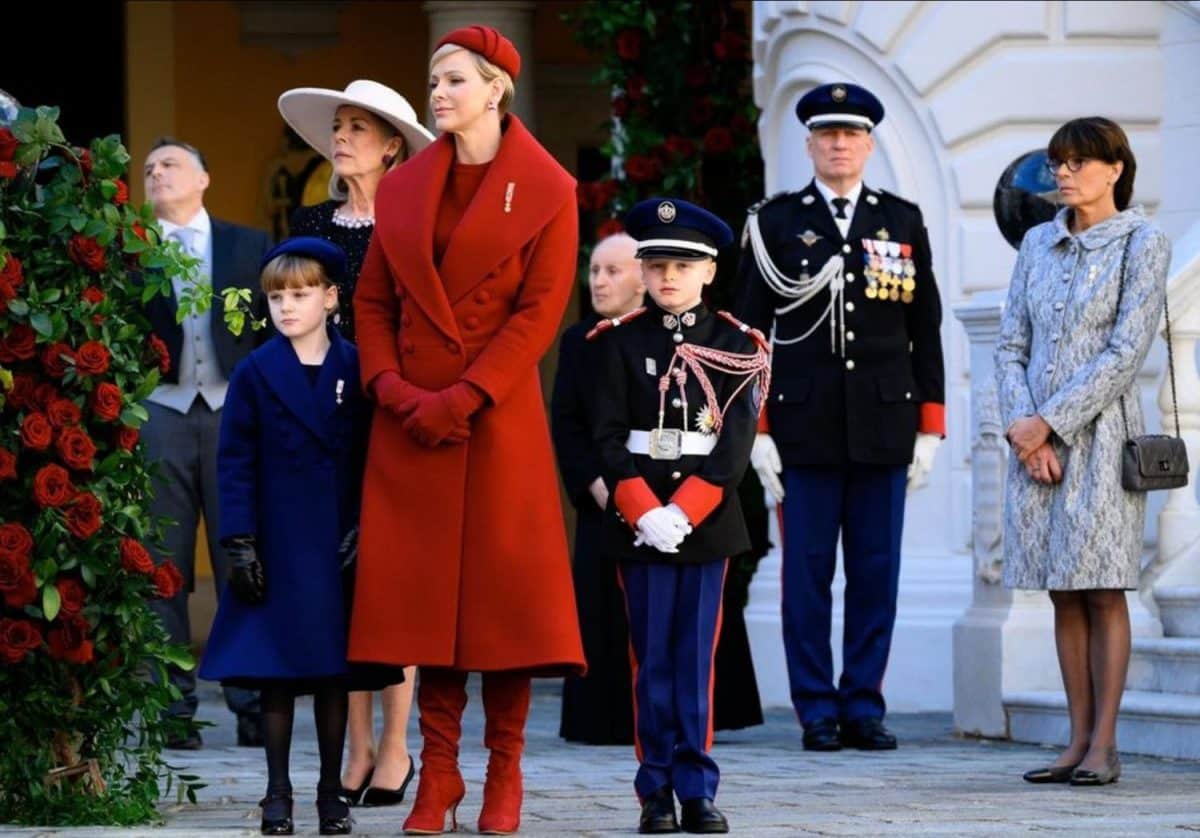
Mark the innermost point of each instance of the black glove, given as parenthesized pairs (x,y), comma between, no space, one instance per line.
(347,552)
(246,577)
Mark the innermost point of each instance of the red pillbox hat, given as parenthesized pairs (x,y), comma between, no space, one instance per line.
(487,42)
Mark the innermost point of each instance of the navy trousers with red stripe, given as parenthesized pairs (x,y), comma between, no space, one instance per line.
(674,618)
(865,505)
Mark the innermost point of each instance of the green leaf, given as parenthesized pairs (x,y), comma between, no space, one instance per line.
(40,321)
(51,602)
(19,307)
(89,575)
(51,295)
(177,655)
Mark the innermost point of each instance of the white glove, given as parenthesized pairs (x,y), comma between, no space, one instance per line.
(663,528)
(764,456)
(924,451)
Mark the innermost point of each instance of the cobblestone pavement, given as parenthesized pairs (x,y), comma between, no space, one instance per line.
(935,784)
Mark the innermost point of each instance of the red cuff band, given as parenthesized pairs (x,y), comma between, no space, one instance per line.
(932,419)
(697,498)
(763,427)
(634,498)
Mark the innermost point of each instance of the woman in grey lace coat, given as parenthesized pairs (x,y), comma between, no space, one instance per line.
(1073,337)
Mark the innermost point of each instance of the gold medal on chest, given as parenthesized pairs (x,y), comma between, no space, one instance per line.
(882,234)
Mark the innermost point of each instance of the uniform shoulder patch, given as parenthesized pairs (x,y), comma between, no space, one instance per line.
(609,323)
(757,336)
(891,196)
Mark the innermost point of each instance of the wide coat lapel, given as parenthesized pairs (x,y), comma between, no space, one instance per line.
(818,217)
(517,198)
(285,377)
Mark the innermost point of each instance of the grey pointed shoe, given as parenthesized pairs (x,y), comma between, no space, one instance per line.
(1109,774)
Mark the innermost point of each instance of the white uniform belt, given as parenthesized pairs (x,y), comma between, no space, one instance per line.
(694,443)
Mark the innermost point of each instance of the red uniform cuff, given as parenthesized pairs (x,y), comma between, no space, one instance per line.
(697,498)
(932,419)
(763,426)
(634,498)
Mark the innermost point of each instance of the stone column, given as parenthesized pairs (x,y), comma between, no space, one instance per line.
(1004,642)
(764,624)
(513,19)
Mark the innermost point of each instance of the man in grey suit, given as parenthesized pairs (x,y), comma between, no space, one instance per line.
(185,409)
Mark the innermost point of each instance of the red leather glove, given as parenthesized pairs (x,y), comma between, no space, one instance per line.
(396,394)
(443,416)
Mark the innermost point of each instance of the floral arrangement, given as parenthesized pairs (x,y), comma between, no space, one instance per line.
(82,657)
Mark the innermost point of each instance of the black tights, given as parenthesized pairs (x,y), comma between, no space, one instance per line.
(329,713)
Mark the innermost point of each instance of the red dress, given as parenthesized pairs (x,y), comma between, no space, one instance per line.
(463,557)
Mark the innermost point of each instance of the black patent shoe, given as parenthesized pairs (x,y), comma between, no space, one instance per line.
(867,735)
(277,815)
(822,735)
(354,796)
(700,815)
(375,796)
(333,815)
(1050,774)
(658,814)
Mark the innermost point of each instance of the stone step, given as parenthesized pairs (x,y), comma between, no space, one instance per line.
(1179,610)
(1155,723)
(1165,664)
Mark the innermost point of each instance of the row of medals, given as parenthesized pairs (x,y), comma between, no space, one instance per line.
(890,270)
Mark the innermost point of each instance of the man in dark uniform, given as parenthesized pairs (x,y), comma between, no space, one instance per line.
(840,275)
(676,414)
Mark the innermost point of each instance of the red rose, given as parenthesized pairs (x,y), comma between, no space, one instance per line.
(106,401)
(718,140)
(609,228)
(642,169)
(36,433)
(8,465)
(52,486)
(19,344)
(696,76)
(127,437)
(629,44)
(92,358)
(23,592)
(85,161)
(13,570)
(701,112)
(741,125)
(68,640)
(160,349)
(8,170)
(138,230)
(71,595)
(17,639)
(682,146)
(7,292)
(44,395)
(635,88)
(734,44)
(63,412)
(167,580)
(92,295)
(8,144)
(15,539)
(620,107)
(12,272)
(135,558)
(122,195)
(54,359)
(585,195)
(76,448)
(21,394)
(83,516)
(86,252)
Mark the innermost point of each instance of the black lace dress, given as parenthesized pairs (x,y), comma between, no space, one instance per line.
(317,220)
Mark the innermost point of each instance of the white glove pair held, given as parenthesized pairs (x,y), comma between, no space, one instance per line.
(764,457)
(663,528)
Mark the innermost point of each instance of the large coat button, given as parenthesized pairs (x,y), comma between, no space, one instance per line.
(406,319)
(482,296)
(471,322)
(452,347)
(408,347)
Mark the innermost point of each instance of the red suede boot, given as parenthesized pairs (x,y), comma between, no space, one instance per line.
(441,697)
(506,703)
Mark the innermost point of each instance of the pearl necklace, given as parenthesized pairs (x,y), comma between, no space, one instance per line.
(352,223)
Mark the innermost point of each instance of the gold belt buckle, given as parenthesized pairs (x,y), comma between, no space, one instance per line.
(666,444)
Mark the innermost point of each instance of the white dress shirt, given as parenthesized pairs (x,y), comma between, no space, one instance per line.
(843,224)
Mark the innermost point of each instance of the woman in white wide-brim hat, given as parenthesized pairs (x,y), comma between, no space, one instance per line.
(364,131)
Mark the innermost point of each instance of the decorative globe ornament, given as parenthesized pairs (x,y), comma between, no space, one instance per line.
(8,107)
(1026,195)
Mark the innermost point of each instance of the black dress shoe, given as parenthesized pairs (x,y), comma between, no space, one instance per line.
(333,814)
(658,814)
(277,814)
(190,742)
(249,731)
(1050,774)
(867,735)
(700,815)
(374,796)
(822,735)
(354,796)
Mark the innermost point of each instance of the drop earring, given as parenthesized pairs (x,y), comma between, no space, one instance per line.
(491,106)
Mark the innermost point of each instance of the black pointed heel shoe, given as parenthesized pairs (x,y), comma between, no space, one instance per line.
(375,796)
(277,815)
(354,796)
(333,815)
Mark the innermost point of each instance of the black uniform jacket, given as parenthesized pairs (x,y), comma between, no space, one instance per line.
(826,409)
(572,409)
(631,359)
(237,250)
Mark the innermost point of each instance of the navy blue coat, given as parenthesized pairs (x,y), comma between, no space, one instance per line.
(289,463)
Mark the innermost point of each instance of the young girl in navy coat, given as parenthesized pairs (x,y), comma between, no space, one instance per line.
(290,468)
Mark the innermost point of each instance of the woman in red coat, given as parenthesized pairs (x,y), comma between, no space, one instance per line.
(463,558)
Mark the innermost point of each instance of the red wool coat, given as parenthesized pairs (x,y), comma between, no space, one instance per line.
(463,554)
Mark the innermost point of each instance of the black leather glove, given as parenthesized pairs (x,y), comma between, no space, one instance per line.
(347,552)
(246,577)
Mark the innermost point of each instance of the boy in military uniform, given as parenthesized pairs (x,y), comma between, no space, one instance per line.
(840,275)
(680,389)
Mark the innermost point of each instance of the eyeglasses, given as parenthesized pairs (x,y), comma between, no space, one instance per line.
(1073,164)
